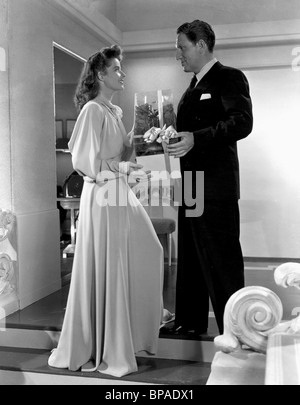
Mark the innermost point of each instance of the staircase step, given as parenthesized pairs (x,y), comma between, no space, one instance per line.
(283,359)
(243,367)
(177,348)
(27,336)
(23,366)
(25,349)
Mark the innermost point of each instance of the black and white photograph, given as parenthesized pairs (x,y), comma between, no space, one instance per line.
(150,195)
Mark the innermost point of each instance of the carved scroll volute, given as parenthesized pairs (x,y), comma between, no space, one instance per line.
(288,275)
(6,274)
(249,314)
(6,224)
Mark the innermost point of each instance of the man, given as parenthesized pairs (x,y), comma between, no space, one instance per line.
(214,113)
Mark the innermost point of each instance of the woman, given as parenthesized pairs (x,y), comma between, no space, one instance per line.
(114,307)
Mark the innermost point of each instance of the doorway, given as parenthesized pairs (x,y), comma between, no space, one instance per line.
(67,70)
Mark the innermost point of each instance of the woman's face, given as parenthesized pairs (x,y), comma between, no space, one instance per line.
(114,77)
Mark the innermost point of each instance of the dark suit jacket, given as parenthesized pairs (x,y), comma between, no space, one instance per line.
(218,123)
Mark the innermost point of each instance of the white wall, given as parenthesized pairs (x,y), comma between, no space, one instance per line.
(107,8)
(270,183)
(270,166)
(33,27)
(8,297)
(135,15)
(5,177)
(27,133)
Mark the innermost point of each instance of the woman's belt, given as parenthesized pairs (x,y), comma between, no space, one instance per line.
(104,177)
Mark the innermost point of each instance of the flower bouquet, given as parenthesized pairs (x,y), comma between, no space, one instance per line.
(154,121)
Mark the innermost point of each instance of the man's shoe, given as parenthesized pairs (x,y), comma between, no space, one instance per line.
(183,330)
(199,332)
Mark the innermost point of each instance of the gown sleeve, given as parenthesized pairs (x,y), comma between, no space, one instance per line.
(85,141)
(129,154)
(85,145)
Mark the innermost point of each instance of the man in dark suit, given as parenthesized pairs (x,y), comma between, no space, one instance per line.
(214,113)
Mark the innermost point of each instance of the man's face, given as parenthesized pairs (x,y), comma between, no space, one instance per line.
(189,54)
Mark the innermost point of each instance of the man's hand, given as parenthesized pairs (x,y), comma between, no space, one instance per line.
(182,147)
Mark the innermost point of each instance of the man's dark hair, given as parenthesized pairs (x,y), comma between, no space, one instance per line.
(197,30)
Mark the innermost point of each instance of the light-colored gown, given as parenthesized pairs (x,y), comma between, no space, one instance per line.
(115,304)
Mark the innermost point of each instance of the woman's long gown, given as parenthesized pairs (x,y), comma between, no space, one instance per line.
(114,305)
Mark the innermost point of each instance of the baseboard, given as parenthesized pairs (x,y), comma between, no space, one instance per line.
(183,349)
(8,377)
(276,260)
(36,295)
(29,338)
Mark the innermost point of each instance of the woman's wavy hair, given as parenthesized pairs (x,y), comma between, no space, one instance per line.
(88,86)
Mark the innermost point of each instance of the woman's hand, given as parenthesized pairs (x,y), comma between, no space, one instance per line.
(131,136)
(133,170)
(136,174)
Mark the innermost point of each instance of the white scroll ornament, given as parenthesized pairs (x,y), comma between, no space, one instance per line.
(6,274)
(249,314)
(6,224)
(288,275)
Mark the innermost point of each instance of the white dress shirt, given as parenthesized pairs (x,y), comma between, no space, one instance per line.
(205,69)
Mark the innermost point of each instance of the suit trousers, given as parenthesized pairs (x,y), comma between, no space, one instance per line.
(210,263)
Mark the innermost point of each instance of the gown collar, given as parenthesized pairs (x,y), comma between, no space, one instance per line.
(114,109)
(117,113)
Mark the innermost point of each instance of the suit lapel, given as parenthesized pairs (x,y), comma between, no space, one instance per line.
(209,77)
(204,83)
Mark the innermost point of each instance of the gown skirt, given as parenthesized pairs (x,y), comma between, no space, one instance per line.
(114,307)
